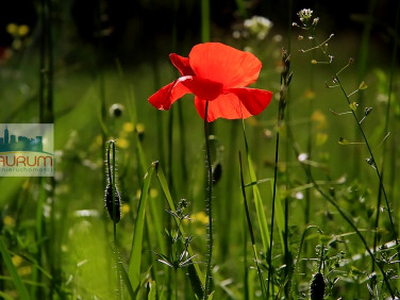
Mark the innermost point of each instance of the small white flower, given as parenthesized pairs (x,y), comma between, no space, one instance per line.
(299,195)
(302,157)
(305,14)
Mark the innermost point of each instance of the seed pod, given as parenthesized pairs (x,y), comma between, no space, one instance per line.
(317,287)
(108,199)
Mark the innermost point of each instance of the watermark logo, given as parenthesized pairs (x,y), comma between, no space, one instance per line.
(26,150)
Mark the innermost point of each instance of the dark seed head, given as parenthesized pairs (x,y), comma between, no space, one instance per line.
(317,287)
(116,110)
(115,216)
(217,174)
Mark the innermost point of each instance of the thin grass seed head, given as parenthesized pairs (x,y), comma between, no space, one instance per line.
(317,287)
(112,201)
(108,199)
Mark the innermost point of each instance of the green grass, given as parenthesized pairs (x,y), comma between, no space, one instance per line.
(62,244)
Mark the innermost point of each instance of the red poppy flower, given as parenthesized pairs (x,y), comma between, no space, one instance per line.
(219,74)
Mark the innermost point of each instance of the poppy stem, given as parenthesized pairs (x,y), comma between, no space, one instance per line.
(208,204)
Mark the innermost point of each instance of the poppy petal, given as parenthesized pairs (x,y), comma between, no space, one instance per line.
(221,63)
(227,106)
(181,63)
(255,100)
(164,97)
(203,88)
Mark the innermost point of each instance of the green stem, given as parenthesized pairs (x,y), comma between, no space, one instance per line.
(208,204)
(176,283)
(273,207)
(171,185)
(288,259)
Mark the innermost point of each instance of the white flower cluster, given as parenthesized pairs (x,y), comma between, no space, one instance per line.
(256,26)
(305,16)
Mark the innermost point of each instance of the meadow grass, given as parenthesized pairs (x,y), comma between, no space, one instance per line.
(291,218)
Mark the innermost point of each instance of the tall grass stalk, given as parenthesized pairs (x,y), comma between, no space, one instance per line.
(285,80)
(209,189)
(288,259)
(46,115)
(387,120)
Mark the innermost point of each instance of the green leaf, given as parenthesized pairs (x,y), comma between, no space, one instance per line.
(362,86)
(353,106)
(153,291)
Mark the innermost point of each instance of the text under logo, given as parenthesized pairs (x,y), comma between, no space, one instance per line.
(26,150)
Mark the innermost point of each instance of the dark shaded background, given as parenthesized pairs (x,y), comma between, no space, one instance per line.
(127,28)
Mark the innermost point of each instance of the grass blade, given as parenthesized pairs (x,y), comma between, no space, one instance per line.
(126,280)
(21,289)
(153,292)
(262,220)
(136,250)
